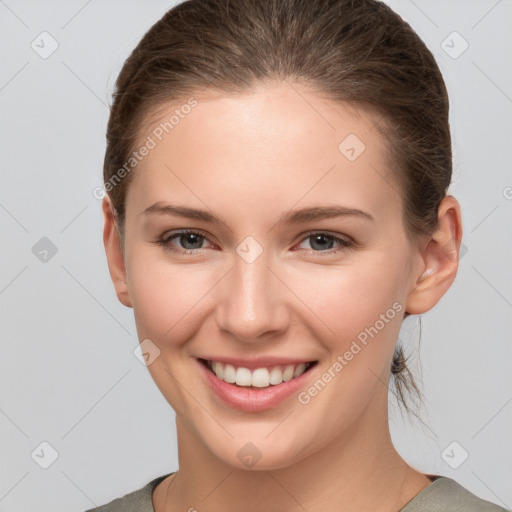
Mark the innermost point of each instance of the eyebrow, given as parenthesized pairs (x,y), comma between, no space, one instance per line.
(291,217)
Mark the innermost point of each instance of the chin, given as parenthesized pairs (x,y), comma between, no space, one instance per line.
(259,452)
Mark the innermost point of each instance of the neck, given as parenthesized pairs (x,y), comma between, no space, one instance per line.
(360,470)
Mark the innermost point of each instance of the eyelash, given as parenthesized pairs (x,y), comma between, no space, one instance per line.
(166,239)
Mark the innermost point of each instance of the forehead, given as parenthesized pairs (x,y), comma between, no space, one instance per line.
(279,141)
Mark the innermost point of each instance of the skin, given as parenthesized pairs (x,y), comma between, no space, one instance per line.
(249,158)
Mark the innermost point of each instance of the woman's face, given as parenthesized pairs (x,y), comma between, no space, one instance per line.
(308,262)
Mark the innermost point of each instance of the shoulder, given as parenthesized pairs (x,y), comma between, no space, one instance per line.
(136,501)
(446,495)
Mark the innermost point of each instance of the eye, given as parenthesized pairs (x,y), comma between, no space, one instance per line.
(323,242)
(189,240)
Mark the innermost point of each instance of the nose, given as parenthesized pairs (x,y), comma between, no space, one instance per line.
(251,304)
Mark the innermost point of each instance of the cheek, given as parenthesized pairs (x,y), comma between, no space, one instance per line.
(166,297)
(347,300)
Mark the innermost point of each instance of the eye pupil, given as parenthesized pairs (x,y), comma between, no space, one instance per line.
(192,238)
(318,238)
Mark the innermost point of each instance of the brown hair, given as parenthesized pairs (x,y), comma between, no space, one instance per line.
(354,51)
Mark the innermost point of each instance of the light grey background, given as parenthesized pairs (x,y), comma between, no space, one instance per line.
(68,375)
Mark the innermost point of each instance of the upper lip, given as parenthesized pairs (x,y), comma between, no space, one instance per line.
(257,361)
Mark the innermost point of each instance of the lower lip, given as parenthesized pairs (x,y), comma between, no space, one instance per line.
(253,399)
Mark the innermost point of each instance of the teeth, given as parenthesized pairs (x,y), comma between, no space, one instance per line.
(260,377)
(243,377)
(218,369)
(276,376)
(229,374)
(288,373)
(299,370)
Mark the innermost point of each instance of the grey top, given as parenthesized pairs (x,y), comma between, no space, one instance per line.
(442,495)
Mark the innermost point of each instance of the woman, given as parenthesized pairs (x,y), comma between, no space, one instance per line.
(277,176)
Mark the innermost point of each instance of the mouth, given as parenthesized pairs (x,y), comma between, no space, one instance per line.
(257,378)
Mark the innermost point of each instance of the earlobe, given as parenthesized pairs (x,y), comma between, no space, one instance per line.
(115,257)
(440,257)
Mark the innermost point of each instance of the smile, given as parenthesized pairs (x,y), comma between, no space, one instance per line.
(258,377)
(257,384)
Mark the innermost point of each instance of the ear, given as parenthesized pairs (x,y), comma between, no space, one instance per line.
(440,255)
(115,257)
